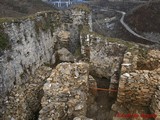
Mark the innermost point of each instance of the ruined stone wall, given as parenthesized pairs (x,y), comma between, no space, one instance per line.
(66,92)
(104,57)
(140,76)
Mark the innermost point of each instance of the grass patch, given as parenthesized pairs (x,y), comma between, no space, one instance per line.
(129,45)
(2,20)
(143,53)
(84,30)
(49,21)
(47,64)
(120,41)
(82,7)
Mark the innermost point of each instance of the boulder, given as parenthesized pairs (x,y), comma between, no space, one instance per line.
(65,56)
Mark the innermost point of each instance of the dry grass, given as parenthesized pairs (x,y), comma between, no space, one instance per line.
(18,8)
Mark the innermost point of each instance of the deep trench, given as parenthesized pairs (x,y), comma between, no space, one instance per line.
(101,108)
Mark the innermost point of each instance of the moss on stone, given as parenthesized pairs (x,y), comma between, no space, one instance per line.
(129,45)
(4,42)
(85,31)
(47,23)
(2,20)
(120,41)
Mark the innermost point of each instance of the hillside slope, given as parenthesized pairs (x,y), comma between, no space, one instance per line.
(145,18)
(16,8)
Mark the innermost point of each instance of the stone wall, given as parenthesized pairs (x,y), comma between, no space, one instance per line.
(140,76)
(104,57)
(66,92)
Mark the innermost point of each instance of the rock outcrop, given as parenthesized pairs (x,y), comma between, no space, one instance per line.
(33,42)
(24,102)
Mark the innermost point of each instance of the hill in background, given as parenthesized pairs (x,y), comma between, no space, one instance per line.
(17,8)
(145,18)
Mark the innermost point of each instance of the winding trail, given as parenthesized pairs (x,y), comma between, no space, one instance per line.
(128,28)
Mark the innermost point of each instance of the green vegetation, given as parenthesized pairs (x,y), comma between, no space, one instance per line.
(129,45)
(120,41)
(2,20)
(19,8)
(44,24)
(47,22)
(143,53)
(4,42)
(47,64)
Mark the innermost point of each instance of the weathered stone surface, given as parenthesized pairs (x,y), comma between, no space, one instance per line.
(64,55)
(104,57)
(64,35)
(65,93)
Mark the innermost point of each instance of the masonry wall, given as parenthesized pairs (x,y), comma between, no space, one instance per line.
(140,76)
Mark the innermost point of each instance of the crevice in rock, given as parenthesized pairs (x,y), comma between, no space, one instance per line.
(35,114)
